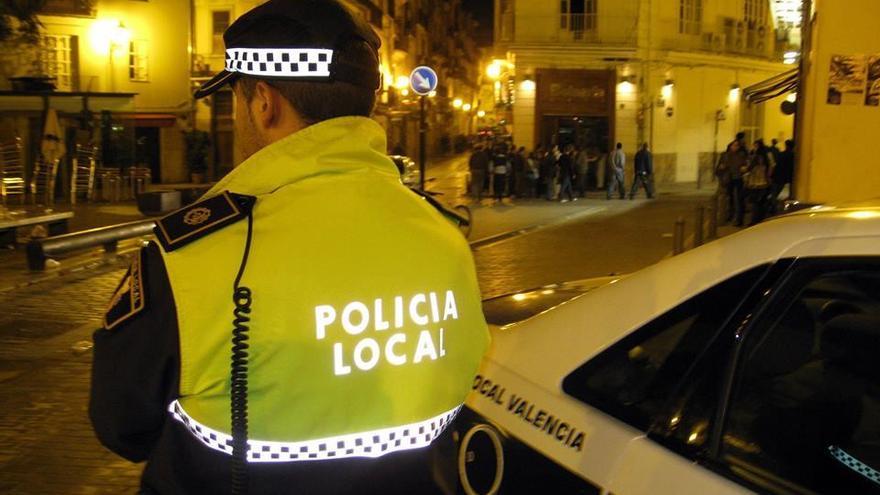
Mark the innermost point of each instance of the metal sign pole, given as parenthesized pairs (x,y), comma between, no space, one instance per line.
(422,131)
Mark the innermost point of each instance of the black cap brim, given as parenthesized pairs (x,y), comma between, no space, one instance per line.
(216,82)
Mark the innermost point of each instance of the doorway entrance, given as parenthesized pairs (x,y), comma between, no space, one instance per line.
(590,133)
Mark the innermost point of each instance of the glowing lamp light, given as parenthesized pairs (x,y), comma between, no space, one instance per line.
(481,113)
(466,107)
(457,103)
(790,58)
(792,97)
(402,82)
(666,90)
(432,94)
(734,92)
(404,92)
(494,70)
(527,85)
(108,34)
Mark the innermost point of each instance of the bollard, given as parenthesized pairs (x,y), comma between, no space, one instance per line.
(678,237)
(713,221)
(698,226)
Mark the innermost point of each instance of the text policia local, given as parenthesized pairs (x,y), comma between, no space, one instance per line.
(396,348)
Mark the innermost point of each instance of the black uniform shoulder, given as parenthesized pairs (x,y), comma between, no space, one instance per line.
(199,219)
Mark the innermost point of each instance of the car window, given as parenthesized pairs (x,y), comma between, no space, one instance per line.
(635,378)
(806,408)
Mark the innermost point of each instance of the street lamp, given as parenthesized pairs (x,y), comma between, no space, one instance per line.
(466,107)
(457,103)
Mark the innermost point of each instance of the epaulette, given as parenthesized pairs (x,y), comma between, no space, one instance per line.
(199,219)
(448,212)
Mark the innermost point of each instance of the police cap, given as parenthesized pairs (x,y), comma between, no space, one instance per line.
(299,40)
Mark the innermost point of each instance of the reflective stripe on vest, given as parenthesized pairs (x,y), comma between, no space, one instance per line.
(374,443)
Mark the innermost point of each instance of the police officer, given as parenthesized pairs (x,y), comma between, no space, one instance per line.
(310,325)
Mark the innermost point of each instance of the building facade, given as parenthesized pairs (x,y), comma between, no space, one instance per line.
(665,72)
(121,76)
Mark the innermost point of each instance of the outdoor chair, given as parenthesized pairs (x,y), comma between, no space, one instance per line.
(43,181)
(109,184)
(82,180)
(12,181)
(137,180)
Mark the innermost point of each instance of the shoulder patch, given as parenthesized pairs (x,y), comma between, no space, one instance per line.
(130,297)
(446,211)
(199,219)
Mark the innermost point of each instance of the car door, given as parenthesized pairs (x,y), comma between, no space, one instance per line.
(787,400)
(801,413)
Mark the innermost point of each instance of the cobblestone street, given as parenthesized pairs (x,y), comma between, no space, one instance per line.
(46,442)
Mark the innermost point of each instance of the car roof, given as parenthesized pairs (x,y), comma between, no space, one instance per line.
(581,327)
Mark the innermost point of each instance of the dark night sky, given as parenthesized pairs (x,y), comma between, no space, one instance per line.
(482,12)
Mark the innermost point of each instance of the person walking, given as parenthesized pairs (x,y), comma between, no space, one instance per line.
(478,164)
(332,385)
(757,181)
(644,172)
(566,174)
(500,167)
(617,164)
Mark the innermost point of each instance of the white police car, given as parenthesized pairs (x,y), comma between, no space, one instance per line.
(749,364)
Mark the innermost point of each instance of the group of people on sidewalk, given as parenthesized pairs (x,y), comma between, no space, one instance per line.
(754,176)
(561,174)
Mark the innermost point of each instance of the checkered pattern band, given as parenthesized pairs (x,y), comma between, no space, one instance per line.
(856,465)
(280,62)
(374,443)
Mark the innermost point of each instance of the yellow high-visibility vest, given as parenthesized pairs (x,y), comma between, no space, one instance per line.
(366,325)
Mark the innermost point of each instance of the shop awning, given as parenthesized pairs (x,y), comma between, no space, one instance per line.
(771,88)
(149,119)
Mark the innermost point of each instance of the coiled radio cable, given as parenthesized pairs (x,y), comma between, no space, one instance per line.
(241,296)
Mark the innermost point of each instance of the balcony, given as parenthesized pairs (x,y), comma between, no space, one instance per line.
(580,26)
(572,29)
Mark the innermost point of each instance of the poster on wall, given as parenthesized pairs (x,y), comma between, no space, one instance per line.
(846,80)
(872,95)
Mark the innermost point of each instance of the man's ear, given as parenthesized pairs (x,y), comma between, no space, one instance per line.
(265,106)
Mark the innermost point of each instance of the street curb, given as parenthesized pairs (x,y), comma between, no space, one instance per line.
(496,238)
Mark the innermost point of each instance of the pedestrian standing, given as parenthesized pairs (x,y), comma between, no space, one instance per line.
(644,172)
(518,179)
(617,164)
(500,167)
(782,174)
(566,174)
(287,262)
(581,167)
(532,174)
(757,181)
(479,167)
(548,174)
(733,164)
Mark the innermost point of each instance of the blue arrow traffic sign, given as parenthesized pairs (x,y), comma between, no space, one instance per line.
(423,80)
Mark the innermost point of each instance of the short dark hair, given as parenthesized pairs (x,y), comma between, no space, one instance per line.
(316,101)
(619,145)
